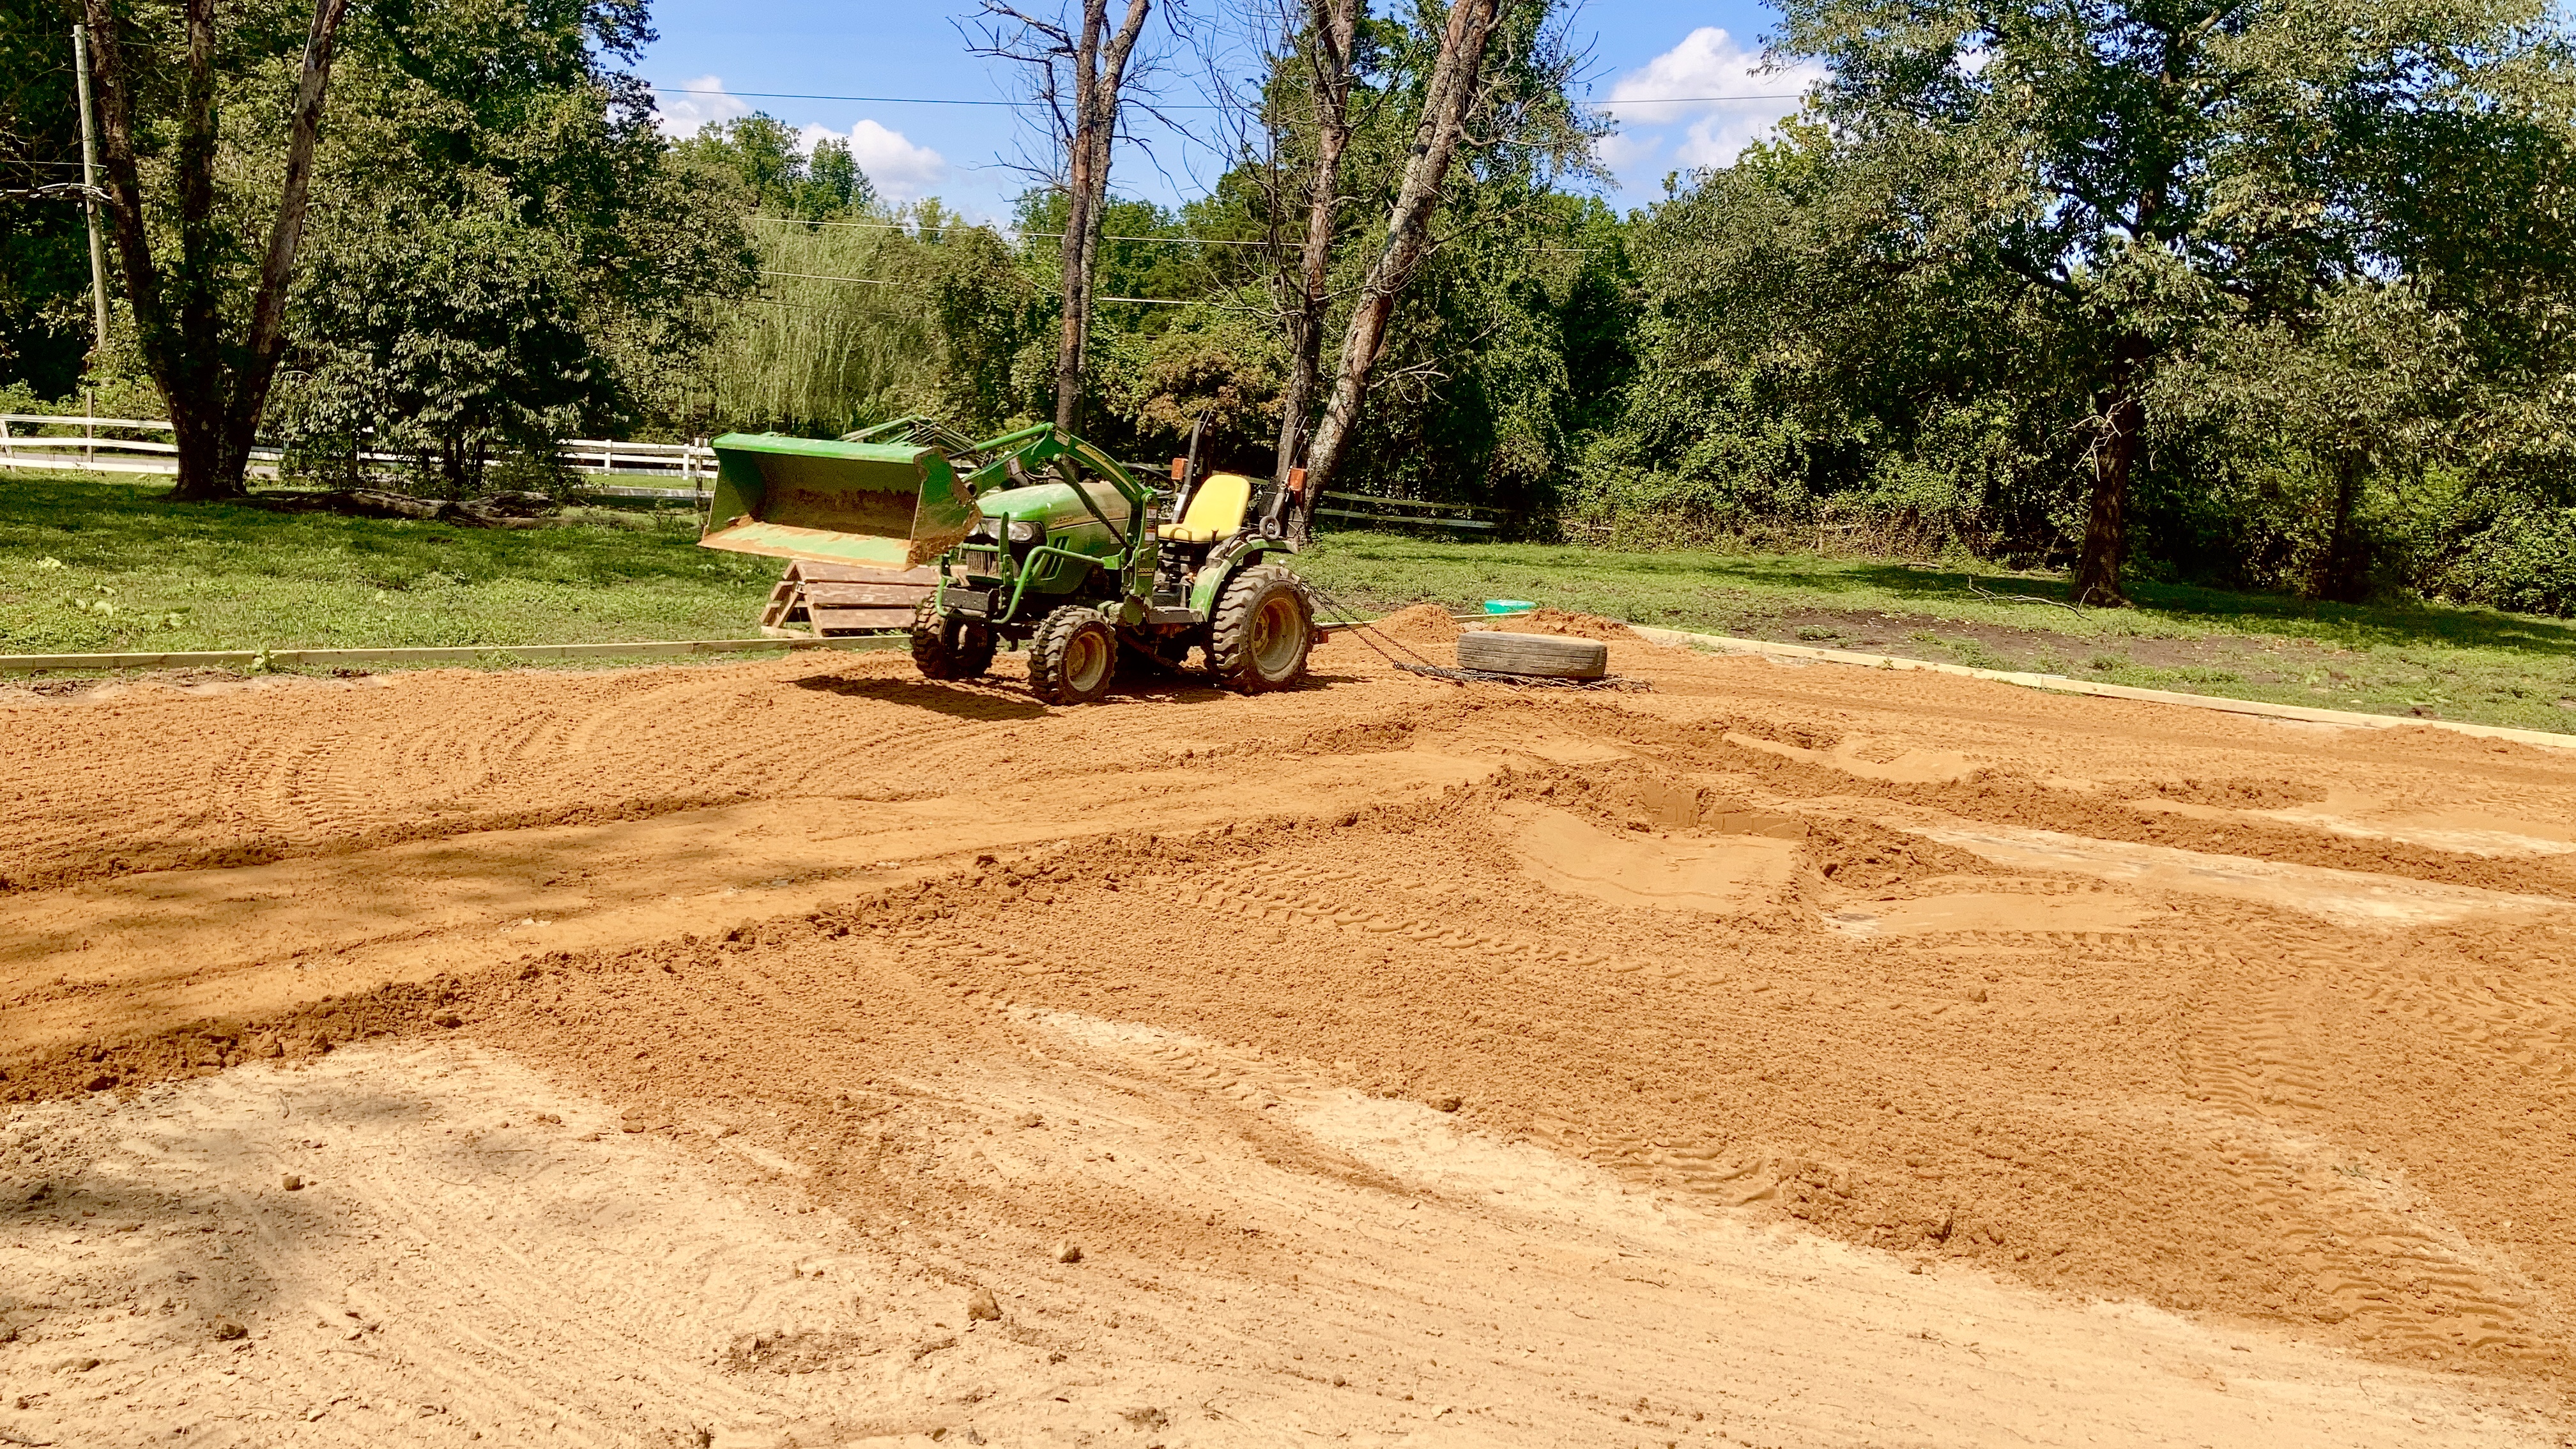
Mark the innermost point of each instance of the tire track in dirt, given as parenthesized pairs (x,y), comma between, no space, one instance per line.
(2405,1278)
(1888,1040)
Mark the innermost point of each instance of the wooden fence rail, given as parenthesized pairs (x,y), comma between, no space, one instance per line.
(690,465)
(1414,512)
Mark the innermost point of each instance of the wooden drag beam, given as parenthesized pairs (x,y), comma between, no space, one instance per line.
(832,600)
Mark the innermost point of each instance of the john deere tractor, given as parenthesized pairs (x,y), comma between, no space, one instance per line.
(1035,537)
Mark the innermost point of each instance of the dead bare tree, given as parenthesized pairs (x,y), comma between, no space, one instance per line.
(1095,60)
(215,387)
(1446,104)
(1332,27)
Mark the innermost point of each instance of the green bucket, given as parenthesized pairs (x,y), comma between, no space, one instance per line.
(878,505)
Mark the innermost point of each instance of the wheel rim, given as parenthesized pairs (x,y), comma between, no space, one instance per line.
(1087,657)
(1277,633)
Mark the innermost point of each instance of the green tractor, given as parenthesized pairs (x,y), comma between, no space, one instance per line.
(1038,538)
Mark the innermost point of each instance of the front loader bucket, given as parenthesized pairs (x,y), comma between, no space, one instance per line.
(883,505)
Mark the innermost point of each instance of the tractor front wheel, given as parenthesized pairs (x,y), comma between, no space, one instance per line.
(946,647)
(1263,628)
(1073,657)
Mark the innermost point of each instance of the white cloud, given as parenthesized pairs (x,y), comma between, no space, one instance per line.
(901,170)
(1629,153)
(705,100)
(1683,83)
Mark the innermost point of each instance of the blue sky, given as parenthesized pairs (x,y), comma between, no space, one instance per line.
(1639,52)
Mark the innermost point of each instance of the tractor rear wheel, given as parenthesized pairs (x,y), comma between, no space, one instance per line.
(949,647)
(1073,657)
(1263,628)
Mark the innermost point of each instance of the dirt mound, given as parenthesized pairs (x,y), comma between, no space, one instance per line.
(1422,625)
(2238,794)
(1579,626)
(1902,958)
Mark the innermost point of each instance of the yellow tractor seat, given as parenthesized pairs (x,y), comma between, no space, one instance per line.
(1215,511)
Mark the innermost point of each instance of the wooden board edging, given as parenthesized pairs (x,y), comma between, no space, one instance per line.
(461,654)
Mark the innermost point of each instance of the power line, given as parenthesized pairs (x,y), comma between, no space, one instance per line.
(1183,106)
(1695,100)
(809,96)
(892,282)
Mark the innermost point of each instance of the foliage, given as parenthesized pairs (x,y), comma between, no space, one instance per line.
(503,248)
(44,261)
(814,355)
(1808,359)
(777,173)
(2321,251)
(2217,265)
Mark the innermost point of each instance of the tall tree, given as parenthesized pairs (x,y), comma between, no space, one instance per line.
(2369,387)
(1328,49)
(506,253)
(776,170)
(1080,71)
(213,372)
(1447,101)
(2160,163)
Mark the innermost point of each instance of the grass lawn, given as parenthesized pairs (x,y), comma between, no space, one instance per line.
(97,566)
(92,565)
(2421,659)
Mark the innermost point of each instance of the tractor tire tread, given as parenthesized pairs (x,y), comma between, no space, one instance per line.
(935,657)
(1229,651)
(1046,654)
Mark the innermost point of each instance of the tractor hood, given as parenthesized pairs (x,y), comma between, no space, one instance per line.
(1054,506)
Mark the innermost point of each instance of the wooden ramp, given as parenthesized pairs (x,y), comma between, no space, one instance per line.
(826,600)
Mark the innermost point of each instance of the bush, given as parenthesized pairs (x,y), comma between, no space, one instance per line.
(2523,560)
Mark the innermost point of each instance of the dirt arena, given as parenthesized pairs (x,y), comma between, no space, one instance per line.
(801,1053)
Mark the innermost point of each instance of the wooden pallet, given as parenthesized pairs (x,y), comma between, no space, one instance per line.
(833,599)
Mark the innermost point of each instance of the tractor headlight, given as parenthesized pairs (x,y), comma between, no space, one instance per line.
(1023,531)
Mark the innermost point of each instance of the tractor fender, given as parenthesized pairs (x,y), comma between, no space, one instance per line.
(1225,561)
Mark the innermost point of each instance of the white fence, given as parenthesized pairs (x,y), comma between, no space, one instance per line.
(690,466)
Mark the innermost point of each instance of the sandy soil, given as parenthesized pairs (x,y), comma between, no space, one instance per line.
(1783,1056)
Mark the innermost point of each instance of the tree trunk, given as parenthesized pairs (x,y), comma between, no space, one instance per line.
(2343,575)
(215,395)
(1100,70)
(1445,107)
(2115,453)
(1334,23)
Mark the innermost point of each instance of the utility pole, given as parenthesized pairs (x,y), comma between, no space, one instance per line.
(89,179)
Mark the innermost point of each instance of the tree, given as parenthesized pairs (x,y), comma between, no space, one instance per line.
(1447,100)
(1328,49)
(1094,60)
(2370,386)
(2155,163)
(504,253)
(44,273)
(767,156)
(214,373)
(1824,331)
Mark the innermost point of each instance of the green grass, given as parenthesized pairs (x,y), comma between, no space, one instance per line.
(93,566)
(2430,659)
(101,566)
